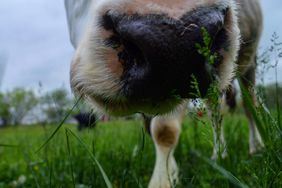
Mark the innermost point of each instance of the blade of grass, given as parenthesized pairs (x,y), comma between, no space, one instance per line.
(134,176)
(70,158)
(105,177)
(124,174)
(251,107)
(59,126)
(273,122)
(275,177)
(228,175)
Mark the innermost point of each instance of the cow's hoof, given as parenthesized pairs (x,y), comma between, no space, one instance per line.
(163,178)
(256,147)
(214,156)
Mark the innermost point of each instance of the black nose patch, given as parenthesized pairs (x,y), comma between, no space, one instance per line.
(159,54)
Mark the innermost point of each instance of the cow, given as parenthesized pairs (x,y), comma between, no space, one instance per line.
(140,56)
(85,120)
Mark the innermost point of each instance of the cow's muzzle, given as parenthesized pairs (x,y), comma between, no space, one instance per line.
(160,55)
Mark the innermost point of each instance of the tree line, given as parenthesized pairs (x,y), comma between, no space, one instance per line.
(23,106)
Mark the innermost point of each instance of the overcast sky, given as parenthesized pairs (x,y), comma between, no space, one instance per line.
(34,40)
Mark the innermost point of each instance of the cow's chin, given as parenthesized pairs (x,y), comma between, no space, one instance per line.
(122,107)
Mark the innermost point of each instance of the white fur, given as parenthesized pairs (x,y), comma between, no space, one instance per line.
(228,66)
(165,172)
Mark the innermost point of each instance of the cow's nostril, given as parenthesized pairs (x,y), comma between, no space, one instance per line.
(110,20)
(107,22)
(131,54)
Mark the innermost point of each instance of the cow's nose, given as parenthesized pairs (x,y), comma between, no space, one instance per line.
(159,53)
(160,33)
(150,35)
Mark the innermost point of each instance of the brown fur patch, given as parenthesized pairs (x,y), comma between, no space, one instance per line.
(166,135)
(174,9)
(110,55)
(113,63)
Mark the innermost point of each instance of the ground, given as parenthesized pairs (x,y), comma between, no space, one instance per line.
(127,156)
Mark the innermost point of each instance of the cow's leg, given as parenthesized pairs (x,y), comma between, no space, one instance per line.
(248,82)
(230,97)
(219,144)
(165,132)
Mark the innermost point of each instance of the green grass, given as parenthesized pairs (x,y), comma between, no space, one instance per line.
(126,155)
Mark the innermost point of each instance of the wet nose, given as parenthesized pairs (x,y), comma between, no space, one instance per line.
(159,52)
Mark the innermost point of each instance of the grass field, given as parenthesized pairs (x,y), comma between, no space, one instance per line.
(127,156)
